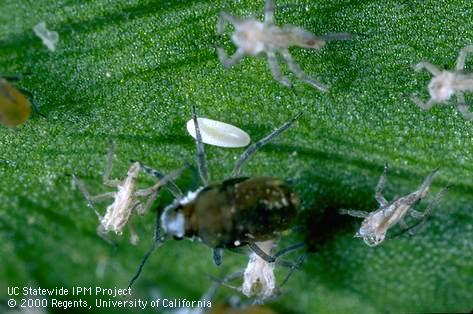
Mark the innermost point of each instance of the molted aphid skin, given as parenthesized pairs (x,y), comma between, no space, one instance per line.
(15,108)
(219,133)
(376,224)
(258,278)
(445,84)
(253,37)
(49,38)
(118,213)
(126,199)
(235,212)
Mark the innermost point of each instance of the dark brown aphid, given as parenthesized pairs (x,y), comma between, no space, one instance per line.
(15,108)
(238,211)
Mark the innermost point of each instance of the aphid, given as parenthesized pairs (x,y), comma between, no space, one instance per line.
(445,84)
(15,108)
(253,37)
(219,133)
(49,38)
(236,212)
(376,224)
(126,199)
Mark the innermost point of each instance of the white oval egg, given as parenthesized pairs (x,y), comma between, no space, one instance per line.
(219,133)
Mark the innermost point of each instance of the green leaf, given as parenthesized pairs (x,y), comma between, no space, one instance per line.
(130,70)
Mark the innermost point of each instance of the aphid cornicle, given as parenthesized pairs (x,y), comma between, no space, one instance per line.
(15,108)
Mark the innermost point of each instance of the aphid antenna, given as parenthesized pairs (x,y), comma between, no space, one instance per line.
(34,105)
(201,160)
(158,241)
(170,185)
(250,151)
(338,36)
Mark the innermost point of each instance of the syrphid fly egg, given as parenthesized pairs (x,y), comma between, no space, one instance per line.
(219,133)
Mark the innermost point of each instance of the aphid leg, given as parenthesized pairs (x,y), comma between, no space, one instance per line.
(268,258)
(354,213)
(380,186)
(432,204)
(420,103)
(142,208)
(158,241)
(103,234)
(162,182)
(249,152)
(275,70)
(424,188)
(201,160)
(224,281)
(285,251)
(255,248)
(462,57)
(86,194)
(289,249)
(425,215)
(296,69)
(232,60)
(171,186)
(403,224)
(104,196)
(269,12)
(217,254)
(225,17)
(463,107)
(297,265)
(416,214)
(428,66)
(108,168)
(30,96)
(134,238)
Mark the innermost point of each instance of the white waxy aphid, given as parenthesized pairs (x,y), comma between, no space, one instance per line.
(258,278)
(219,133)
(49,38)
